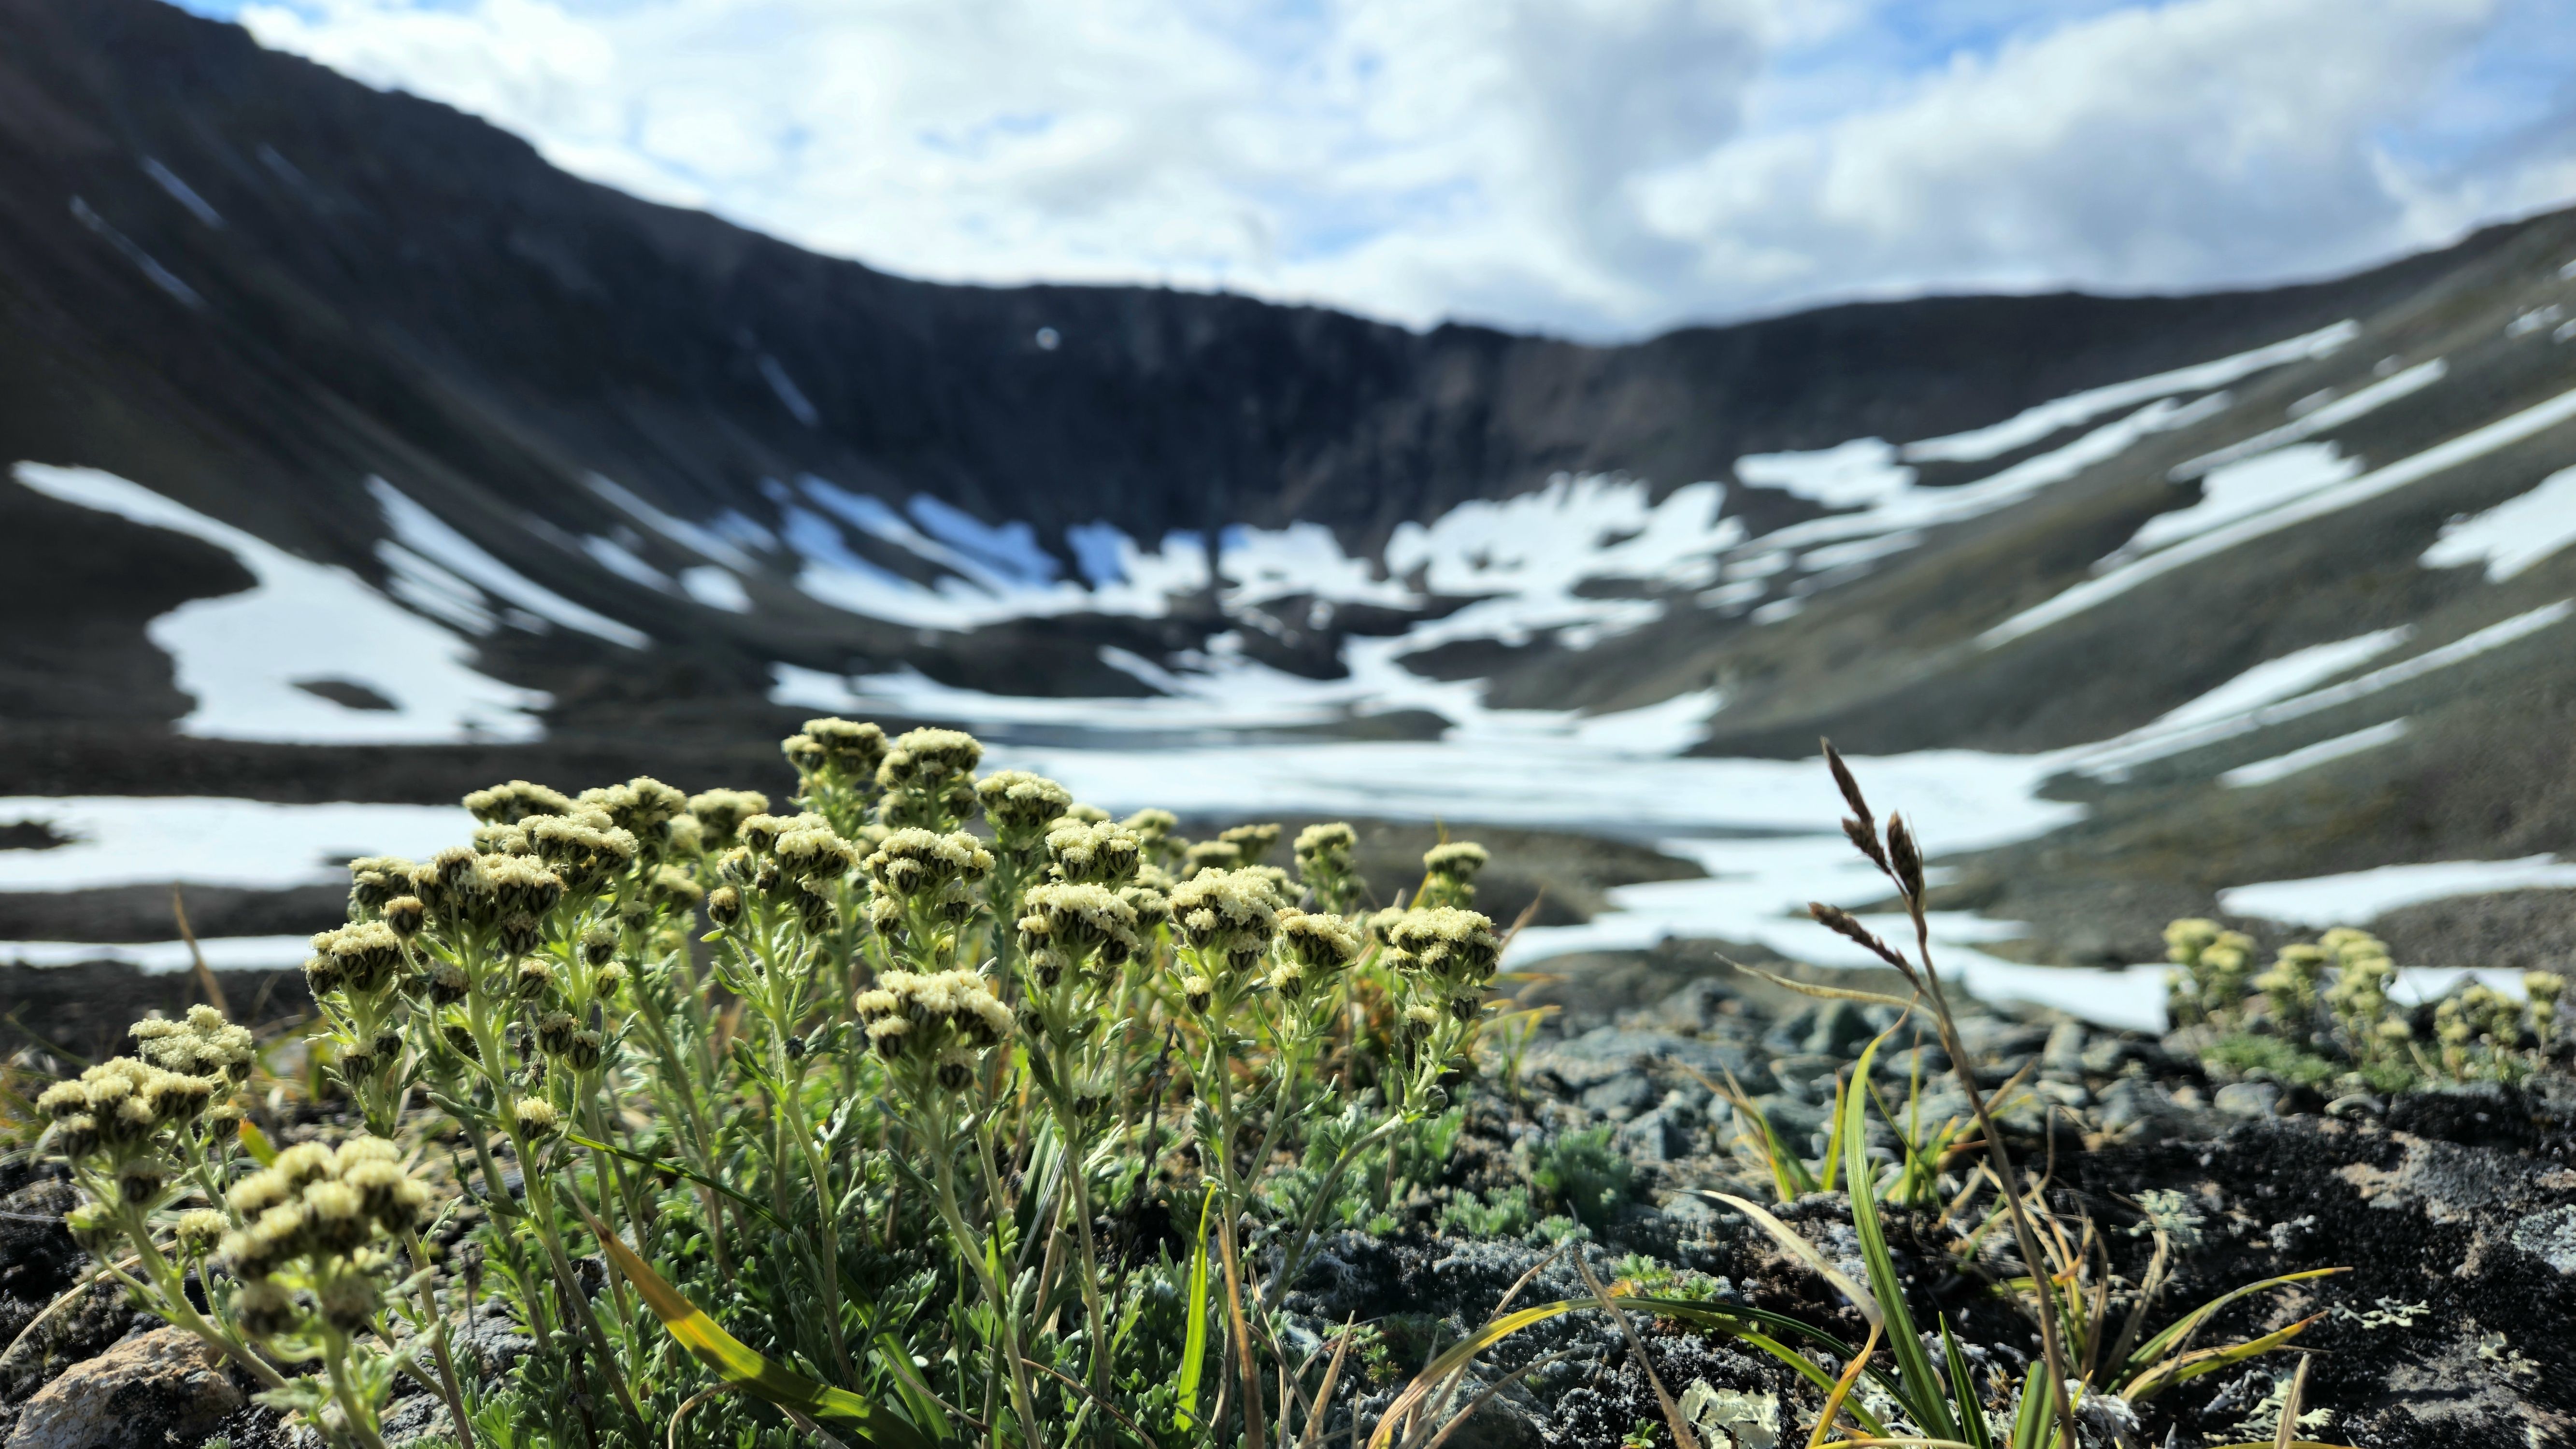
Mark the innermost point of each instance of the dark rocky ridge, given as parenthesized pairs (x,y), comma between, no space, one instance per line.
(402,290)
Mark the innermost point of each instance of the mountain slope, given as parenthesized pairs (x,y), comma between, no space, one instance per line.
(359,452)
(253,285)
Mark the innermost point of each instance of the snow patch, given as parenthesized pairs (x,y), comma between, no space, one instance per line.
(2123,577)
(428,535)
(2241,489)
(2356,898)
(2328,414)
(2513,535)
(2115,759)
(2281,767)
(716,588)
(708,542)
(2033,424)
(239,656)
(197,840)
(159,958)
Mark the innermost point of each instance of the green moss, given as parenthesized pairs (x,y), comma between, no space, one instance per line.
(2245,1053)
(1587,1174)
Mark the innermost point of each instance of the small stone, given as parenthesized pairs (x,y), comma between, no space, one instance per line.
(1839,1031)
(165,1386)
(1621,1097)
(2551,1237)
(2248,1099)
(2064,1053)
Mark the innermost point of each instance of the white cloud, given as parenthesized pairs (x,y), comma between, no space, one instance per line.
(1599,166)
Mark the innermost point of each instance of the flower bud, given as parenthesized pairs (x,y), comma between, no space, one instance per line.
(263,1309)
(349,1302)
(448,984)
(405,915)
(534,978)
(199,1230)
(724,905)
(536,1116)
(461,1042)
(519,933)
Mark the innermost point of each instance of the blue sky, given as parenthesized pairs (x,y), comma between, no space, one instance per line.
(1600,168)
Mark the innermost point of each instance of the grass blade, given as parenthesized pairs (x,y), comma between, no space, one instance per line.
(1963,1392)
(2164,1345)
(1924,1396)
(1194,1340)
(1861,1298)
(2210,1360)
(2030,1425)
(743,1367)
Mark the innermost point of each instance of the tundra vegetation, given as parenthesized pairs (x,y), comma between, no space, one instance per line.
(936,1107)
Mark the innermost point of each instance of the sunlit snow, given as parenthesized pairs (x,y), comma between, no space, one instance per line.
(2327,415)
(2122,577)
(2513,535)
(242,656)
(2359,897)
(2282,767)
(2033,424)
(425,534)
(251,844)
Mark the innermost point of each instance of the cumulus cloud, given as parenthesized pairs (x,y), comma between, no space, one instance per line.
(1599,167)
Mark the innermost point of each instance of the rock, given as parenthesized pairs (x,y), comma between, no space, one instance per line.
(1901,1066)
(2068,1094)
(165,1387)
(2551,1237)
(1696,1007)
(1838,1031)
(2248,1099)
(1667,1133)
(1694,1215)
(2128,1101)
(1619,1097)
(2103,1058)
(1794,1120)
(2064,1053)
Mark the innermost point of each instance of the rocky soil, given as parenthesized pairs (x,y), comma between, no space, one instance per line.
(2454,1212)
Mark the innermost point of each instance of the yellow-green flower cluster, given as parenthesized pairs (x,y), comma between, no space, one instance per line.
(1077,925)
(1227,916)
(1020,807)
(1252,843)
(111,1120)
(720,812)
(928,777)
(935,1023)
(202,1045)
(2358,998)
(310,1217)
(1314,948)
(1449,873)
(1325,867)
(1450,954)
(2216,964)
(1093,852)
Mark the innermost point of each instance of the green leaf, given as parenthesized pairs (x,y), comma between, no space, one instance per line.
(664,1164)
(1972,1417)
(256,1143)
(741,1366)
(1194,1343)
(1924,1395)
(2030,1426)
